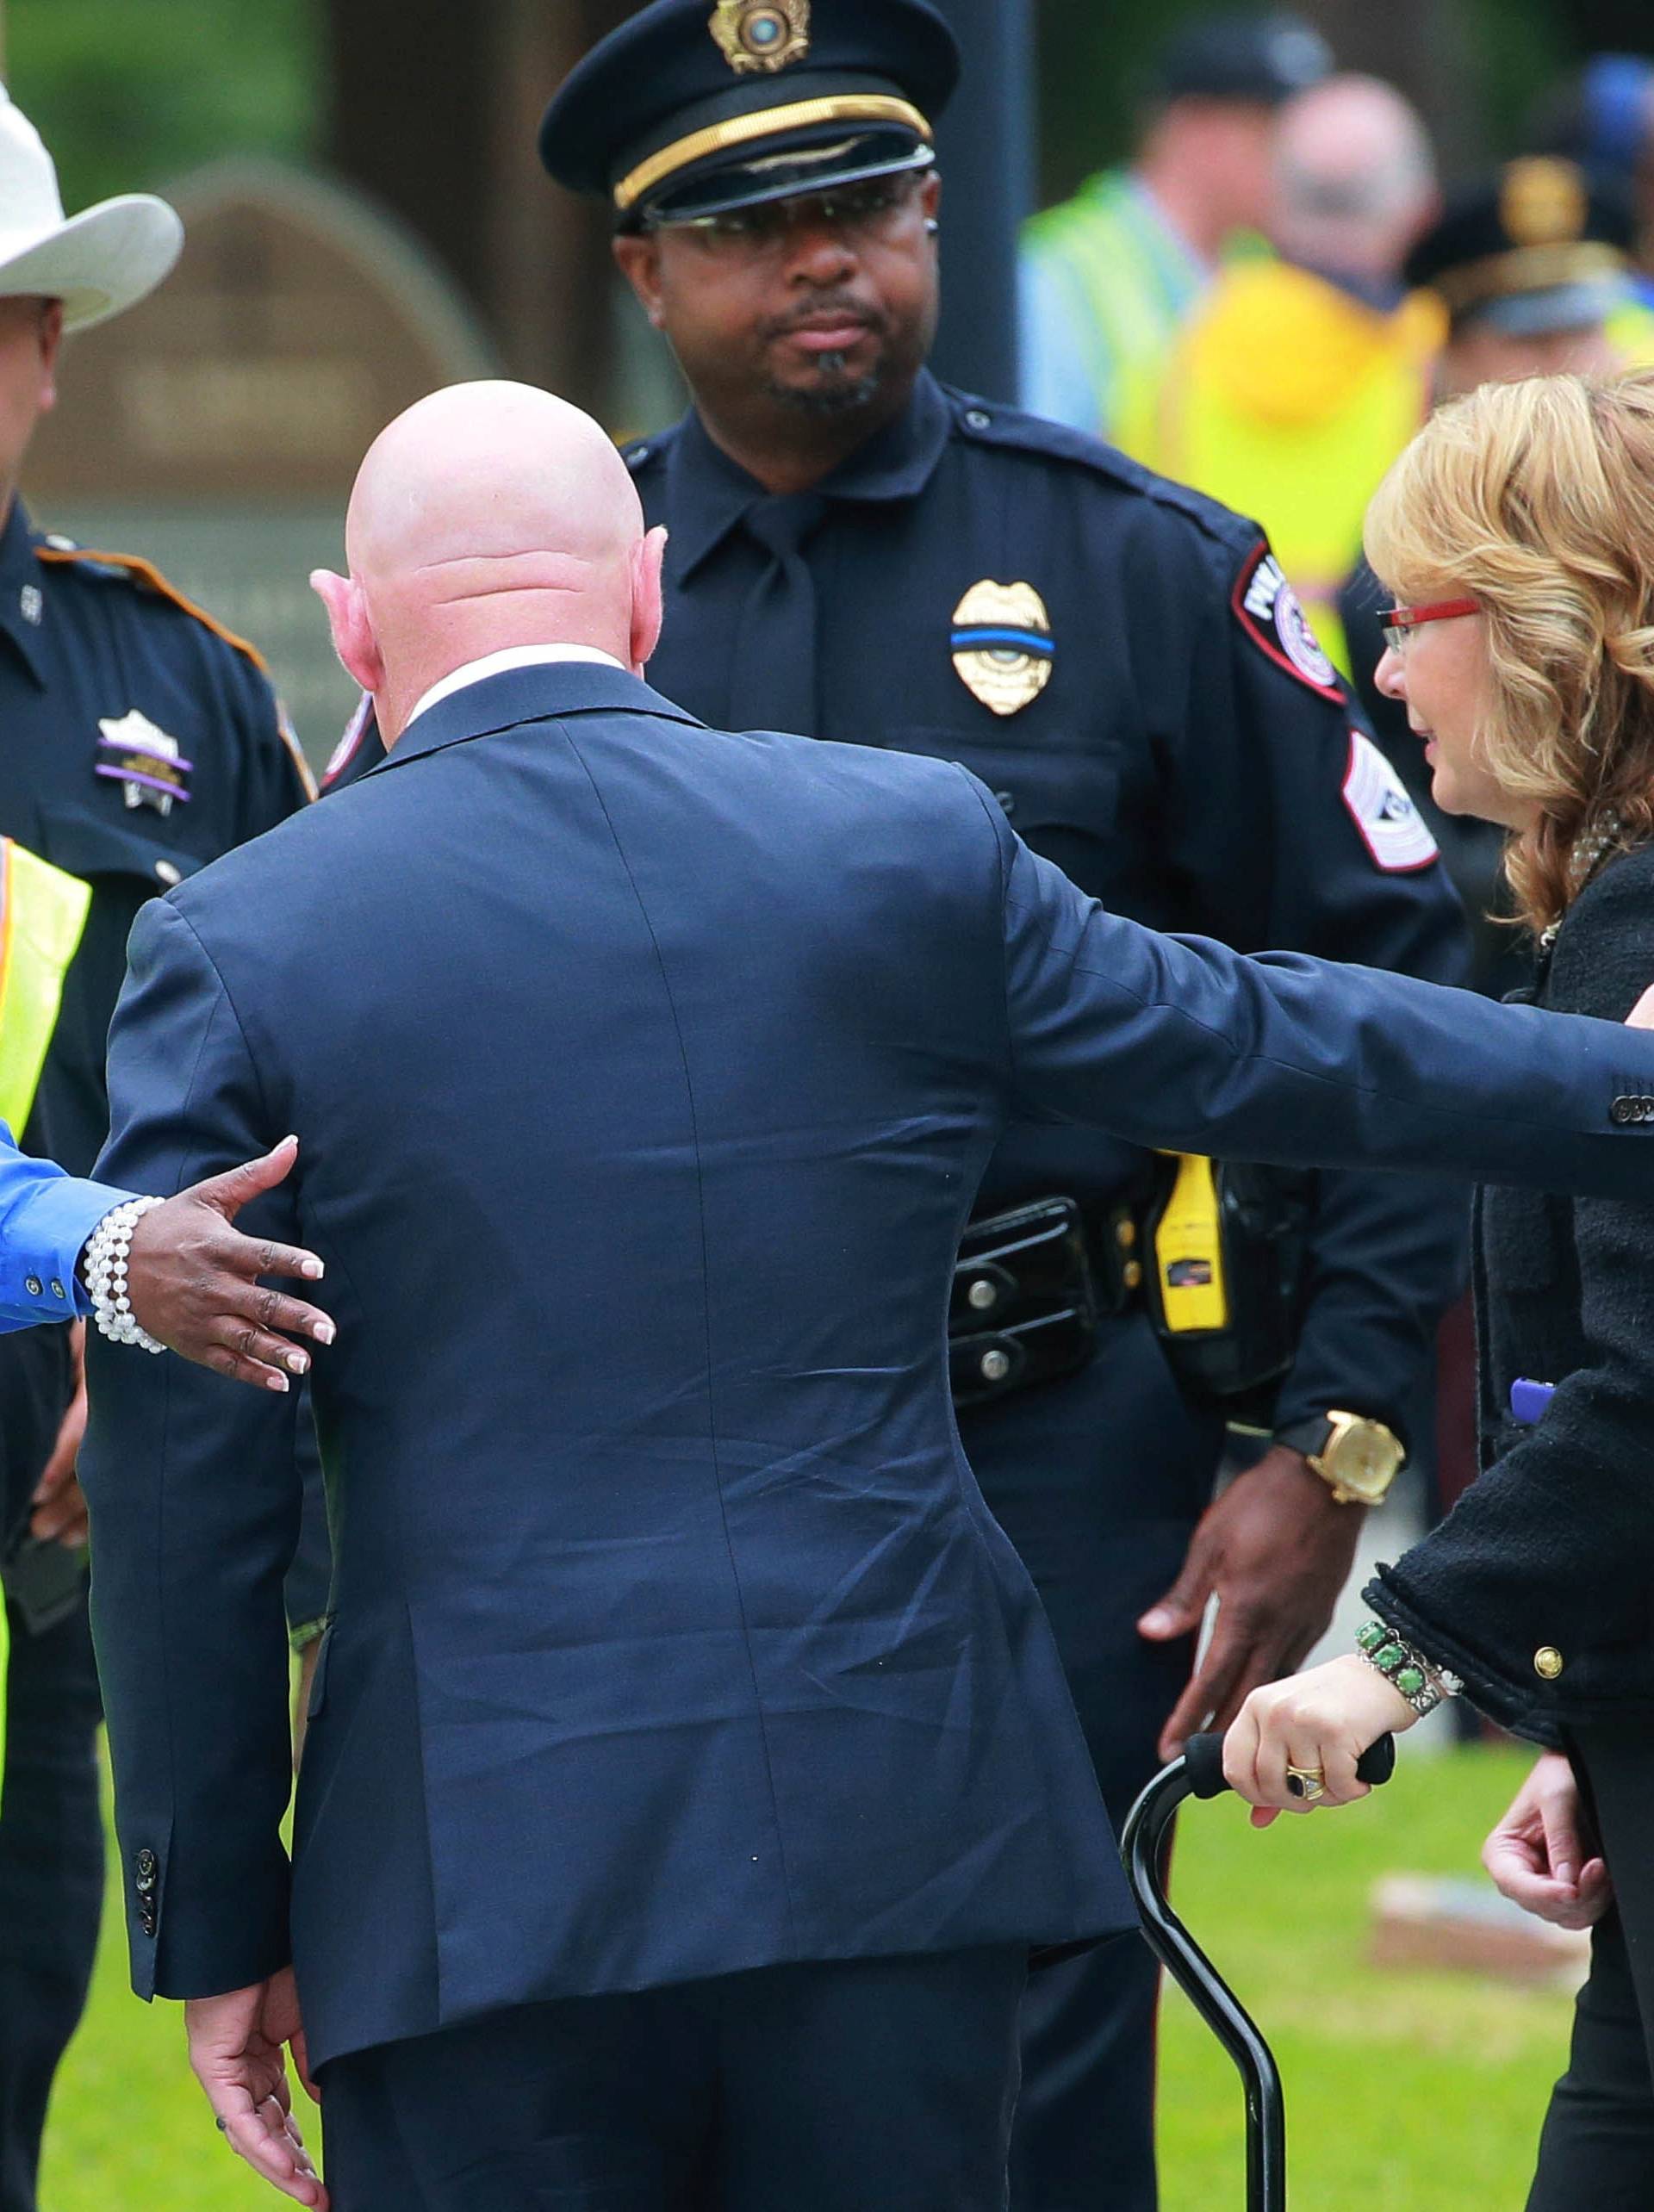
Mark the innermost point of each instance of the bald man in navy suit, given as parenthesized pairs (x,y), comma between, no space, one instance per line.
(690,1777)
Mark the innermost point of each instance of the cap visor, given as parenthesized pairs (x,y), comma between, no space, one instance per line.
(788,173)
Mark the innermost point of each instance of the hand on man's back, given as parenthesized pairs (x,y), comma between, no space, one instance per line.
(194,1279)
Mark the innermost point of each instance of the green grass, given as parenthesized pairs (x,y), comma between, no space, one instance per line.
(1401,2088)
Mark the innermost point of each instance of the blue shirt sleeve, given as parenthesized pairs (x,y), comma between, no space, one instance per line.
(45,1217)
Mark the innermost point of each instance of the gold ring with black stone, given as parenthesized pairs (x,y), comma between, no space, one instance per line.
(1307,1782)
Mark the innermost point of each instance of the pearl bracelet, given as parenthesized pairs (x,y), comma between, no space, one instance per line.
(108,1249)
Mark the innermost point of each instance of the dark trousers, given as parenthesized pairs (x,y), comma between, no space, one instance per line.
(51,1834)
(1597,2149)
(51,1880)
(870,2086)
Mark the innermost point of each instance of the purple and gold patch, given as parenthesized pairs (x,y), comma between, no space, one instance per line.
(145,761)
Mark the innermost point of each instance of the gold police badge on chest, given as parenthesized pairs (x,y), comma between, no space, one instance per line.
(1002,645)
(147,764)
(761,35)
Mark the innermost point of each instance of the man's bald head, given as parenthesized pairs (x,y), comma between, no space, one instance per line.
(1355,178)
(489,516)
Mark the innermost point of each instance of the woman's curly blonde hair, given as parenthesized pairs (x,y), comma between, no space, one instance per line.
(1537,499)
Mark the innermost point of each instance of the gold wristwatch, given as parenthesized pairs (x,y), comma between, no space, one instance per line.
(1358,1459)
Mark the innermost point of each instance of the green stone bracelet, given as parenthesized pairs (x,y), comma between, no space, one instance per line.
(1423,1686)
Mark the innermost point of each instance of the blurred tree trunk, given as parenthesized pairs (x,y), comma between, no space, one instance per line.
(1426,49)
(433,111)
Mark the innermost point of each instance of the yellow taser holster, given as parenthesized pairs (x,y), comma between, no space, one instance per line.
(1189,1270)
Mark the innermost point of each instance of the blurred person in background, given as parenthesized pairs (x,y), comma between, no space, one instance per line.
(141,741)
(1299,379)
(1518,530)
(1603,120)
(1110,276)
(859,553)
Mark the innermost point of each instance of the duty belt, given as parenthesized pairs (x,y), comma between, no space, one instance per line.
(1214,1251)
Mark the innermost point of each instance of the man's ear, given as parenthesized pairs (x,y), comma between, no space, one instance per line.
(51,346)
(637,257)
(648,598)
(353,639)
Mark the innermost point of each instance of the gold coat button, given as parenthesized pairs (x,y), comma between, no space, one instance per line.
(1547,1662)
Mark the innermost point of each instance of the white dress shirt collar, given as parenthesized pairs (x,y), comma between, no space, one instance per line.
(497,664)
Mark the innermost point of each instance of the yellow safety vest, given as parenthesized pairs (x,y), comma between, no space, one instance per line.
(1288,399)
(42,914)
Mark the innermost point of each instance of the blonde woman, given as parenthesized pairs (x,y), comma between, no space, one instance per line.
(1517,531)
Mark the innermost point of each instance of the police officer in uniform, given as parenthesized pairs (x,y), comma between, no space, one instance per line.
(861,554)
(141,742)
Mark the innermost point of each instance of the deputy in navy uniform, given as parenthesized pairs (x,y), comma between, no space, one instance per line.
(859,553)
(141,742)
(691,1769)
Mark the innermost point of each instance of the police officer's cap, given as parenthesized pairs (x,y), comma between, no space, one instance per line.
(1538,246)
(1232,56)
(696,107)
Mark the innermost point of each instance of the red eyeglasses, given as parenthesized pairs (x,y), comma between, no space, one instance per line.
(1399,620)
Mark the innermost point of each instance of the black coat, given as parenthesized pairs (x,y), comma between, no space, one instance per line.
(1552,1551)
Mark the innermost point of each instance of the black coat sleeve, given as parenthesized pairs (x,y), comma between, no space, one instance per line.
(1553,1546)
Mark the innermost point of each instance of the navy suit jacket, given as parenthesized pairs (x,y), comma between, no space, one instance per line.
(644,1076)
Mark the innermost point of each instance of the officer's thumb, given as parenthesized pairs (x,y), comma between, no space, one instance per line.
(1180,1611)
(229,1193)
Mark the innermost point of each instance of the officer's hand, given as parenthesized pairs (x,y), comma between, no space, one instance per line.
(192,1279)
(1277,1547)
(59,1512)
(237,2047)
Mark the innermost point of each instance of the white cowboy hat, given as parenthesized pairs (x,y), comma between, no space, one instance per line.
(96,262)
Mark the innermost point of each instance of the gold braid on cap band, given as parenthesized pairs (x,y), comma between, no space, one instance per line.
(716,138)
(1527,269)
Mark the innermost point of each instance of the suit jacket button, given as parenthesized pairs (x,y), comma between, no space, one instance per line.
(1547,1662)
(32,1283)
(1622,1109)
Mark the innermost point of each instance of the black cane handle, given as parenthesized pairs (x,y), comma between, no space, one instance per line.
(1203,1757)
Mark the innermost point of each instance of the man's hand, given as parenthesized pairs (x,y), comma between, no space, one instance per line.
(192,1279)
(1538,1855)
(59,1508)
(1277,1547)
(237,2047)
(1641,1016)
(1323,1720)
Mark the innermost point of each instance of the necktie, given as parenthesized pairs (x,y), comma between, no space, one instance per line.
(774,684)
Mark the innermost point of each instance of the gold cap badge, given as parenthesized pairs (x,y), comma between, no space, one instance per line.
(1002,645)
(1544,202)
(761,35)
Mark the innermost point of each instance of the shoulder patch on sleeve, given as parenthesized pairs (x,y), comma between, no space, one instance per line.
(1392,828)
(146,574)
(1267,609)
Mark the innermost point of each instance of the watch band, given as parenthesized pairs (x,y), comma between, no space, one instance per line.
(1311,1437)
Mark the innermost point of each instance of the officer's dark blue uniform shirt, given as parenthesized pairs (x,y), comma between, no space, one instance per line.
(140,743)
(1120,661)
